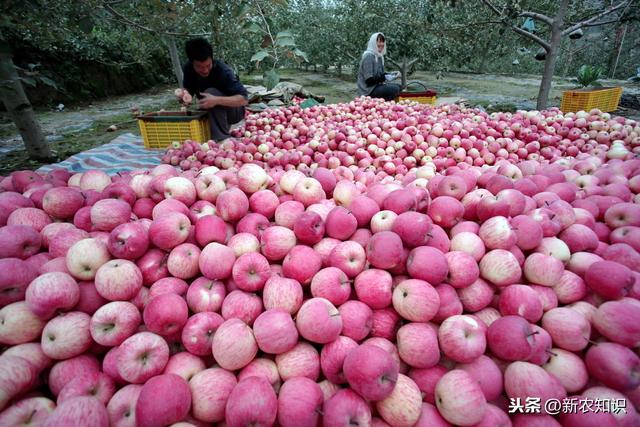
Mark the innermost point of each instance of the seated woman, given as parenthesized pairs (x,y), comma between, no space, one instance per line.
(372,80)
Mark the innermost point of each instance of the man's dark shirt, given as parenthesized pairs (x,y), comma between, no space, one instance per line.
(221,77)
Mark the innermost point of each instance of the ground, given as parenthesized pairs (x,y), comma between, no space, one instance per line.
(80,127)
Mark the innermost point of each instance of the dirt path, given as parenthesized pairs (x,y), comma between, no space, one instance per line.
(72,120)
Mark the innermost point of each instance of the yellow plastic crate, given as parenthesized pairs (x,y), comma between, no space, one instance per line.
(424,96)
(605,99)
(162,128)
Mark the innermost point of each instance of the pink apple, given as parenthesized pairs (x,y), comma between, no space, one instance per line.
(30,410)
(165,314)
(385,250)
(142,356)
(309,228)
(118,280)
(524,379)
(373,287)
(234,344)
(446,211)
(275,331)
(340,223)
(302,360)
(280,292)
(96,385)
(308,191)
(428,264)
(487,373)
(114,322)
(276,242)
(210,390)
(462,338)
(521,300)
(357,319)
(403,406)
(418,345)
(609,279)
(332,358)
(197,333)
(459,398)
(67,335)
(371,372)
(462,269)
(345,407)
(163,400)
(205,295)
(569,368)
(168,231)
(83,410)
(122,406)
(615,320)
(251,271)
(299,403)
(416,300)
(242,305)
(183,261)
(128,241)
(500,267)
(349,257)
(216,261)
(301,263)
(18,324)
(209,186)
(614,365)
(383,221)
(470,243)
(107,214)
(319,321)
(511,338)
(51,292)
(569,329)
(232,205)
(19,241)
(264,202)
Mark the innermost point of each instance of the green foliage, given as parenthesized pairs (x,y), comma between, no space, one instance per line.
(588,75)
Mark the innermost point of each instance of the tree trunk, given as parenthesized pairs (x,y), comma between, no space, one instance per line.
(552,56)
(404,69)
(20,109)
(175,59)
(339,68)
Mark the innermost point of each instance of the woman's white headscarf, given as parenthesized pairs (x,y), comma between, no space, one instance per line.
(372,47)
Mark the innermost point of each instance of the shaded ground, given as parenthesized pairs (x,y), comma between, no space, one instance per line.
(80,127)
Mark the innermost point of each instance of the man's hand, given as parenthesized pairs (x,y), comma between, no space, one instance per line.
(207,101)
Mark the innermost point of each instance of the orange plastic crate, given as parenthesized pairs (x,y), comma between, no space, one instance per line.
(162,128)
(605,99)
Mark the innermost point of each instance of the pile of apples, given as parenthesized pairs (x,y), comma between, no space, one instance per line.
(323,296)
(391,138)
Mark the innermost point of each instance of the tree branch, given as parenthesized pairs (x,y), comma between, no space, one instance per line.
(273,42)
(538,16)
(517,29)
(122,18)
(588,22)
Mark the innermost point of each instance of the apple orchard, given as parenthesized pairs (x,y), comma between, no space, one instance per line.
(367,263)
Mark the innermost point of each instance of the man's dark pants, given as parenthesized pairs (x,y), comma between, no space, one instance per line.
(221,118)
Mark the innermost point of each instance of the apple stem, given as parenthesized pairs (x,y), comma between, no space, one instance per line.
(533,333)
(592,342)
(551,353)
